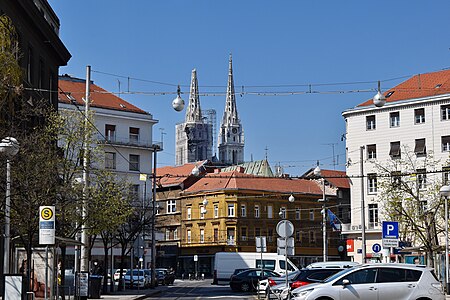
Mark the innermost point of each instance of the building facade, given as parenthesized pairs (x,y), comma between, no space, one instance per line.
(126,133)
(413,125)
(226,211)
(41,51)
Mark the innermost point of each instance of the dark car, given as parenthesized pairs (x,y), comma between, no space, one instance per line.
(247,281)
(237,271)
(164,276)
(303,277)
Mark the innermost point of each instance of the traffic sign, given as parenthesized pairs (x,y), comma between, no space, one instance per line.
(282,247)
(376,248)
(195,257)
(261,244)
(285,228)
(390,234)
(47,225)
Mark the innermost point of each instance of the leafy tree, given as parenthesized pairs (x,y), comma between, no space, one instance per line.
(409,192)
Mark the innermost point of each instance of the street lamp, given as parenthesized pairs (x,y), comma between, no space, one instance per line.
(317,172)
(10,147)
(178,103)
(445,192)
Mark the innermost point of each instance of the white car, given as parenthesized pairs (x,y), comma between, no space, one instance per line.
(116,274)
(376,281)
(332,264)
(140,278)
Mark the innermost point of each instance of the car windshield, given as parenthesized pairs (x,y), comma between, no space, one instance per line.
(338,274)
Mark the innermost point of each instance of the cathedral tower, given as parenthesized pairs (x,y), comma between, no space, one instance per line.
(193,138)
(231,135)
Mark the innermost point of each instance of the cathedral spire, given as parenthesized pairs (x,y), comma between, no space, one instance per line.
(193,111)
(230,115)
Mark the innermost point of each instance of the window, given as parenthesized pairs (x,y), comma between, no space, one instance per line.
(41,74)
(394,118)
(243,210)
(188,234)
(420,149)
(445,112)
(360,277)
(202,211)
(395,152)
(283,212)
(202,235)
(110,160)
(371,183)
(243,233)
(421,179)
(256,211)
(216,210)
(216,235)
(298,236)
(312,237)
(30,65)
(269,212)
(134,191)
(373,215)
(110,132)
(134,135)
(175,234)
(298,213)
(171,206)
(189,213)
(231,210)
(445,143)
(257,231)
(311,214)
(230,236)
(167,234)
(370,123)
(398,275)
(134,162)
(371,151)
(419,116)
(269,234)
(446,175)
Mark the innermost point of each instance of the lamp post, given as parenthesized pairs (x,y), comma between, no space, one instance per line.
(156,148)
(318,173)
(363,209)
(10,147)
(445,192)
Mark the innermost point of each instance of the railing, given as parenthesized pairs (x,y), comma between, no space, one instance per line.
(126,141)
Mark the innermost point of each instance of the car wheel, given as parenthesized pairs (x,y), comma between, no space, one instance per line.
(245,287)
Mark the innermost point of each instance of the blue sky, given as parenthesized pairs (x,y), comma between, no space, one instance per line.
(277,46)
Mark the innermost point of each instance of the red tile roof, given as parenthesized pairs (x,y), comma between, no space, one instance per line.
(76,88)
(174,175)
(336,178)
(418,86)
(239,181)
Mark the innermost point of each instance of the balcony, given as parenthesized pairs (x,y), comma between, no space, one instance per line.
(130,142)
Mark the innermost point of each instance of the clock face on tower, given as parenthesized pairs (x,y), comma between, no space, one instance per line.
(234,130)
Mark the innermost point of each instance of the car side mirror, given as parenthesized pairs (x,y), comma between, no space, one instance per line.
(345,282)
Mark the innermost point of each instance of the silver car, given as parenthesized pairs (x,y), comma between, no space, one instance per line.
(376,281)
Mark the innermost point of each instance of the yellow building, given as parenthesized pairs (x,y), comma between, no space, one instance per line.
(226,211)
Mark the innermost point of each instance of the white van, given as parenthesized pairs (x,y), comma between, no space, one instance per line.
(226,262)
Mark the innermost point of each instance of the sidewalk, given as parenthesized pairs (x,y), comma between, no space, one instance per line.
(133,294)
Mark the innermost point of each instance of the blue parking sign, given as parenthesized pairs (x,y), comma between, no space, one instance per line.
(390,230)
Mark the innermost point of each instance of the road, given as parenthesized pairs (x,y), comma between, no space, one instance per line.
(203,289)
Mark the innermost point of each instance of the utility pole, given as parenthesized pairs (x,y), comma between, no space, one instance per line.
(84,264)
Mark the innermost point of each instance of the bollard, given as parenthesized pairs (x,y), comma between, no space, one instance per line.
(189,276)
(203,276)
(182,276)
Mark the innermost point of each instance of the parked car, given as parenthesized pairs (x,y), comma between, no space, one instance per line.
(376,281)
(164,276)
(237,271)
(247,281)
(116,274)
(139,278)
(277,289)
(271,281)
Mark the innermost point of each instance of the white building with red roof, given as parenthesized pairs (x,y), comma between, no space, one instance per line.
(416,116)
(125,130)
